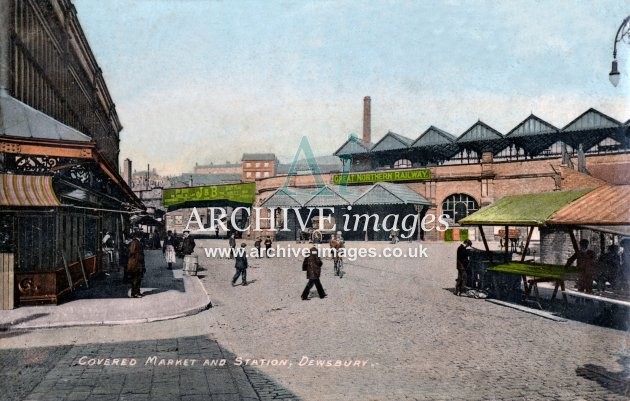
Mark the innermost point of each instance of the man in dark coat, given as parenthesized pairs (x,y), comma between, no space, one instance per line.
(188,244)
(232,243)
(313,266)
(586,267)
(462,267)
(135,266)
(241,265)
(257,246)
(267,245)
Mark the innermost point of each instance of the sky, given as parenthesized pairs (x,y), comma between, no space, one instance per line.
(206,81)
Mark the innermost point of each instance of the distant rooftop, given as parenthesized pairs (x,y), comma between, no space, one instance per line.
(258,156)
(226,164)
(205,179)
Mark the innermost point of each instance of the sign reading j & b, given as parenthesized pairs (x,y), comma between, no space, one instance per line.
(385,176)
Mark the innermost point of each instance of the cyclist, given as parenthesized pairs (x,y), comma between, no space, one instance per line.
(337,244)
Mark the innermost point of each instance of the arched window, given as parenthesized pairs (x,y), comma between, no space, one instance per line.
(458,206)
(402,163)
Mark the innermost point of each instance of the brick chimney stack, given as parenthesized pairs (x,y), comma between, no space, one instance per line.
(367,120)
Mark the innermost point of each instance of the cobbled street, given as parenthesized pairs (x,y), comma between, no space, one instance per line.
(420,341)
(396,321)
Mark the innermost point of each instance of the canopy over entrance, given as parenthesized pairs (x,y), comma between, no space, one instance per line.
(27,190)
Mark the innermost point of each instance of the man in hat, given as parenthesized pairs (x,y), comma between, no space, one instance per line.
(241,265)
(462,267)
(135,265)
(232,242)
(586,267)
(257,246)
(267,245)
(313,266)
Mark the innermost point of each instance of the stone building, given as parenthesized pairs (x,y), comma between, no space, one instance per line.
(59,147)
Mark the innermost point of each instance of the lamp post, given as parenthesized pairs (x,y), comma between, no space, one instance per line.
(623,31)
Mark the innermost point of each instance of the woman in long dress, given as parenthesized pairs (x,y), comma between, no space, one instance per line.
(168,249)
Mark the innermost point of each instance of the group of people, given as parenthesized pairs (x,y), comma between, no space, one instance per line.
(132,257)
(312,264)
(257,244)
(612,267)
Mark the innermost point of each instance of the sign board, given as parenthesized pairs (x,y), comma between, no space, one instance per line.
(384,176)
(240,193)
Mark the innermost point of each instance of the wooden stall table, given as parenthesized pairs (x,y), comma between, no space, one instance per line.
(532,274)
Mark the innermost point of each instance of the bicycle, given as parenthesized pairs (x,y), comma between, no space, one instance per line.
(338,265)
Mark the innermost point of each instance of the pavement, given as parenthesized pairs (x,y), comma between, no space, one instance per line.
(389,329)
(168,294)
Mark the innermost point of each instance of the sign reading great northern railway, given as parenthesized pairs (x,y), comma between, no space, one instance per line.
(386,176)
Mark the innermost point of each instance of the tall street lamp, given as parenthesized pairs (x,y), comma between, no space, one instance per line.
(622,32)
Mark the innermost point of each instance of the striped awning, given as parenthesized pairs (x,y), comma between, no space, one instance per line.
(27,190)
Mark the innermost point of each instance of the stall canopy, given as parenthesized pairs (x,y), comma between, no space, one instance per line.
(145,220)
(381,193)
(607,205)
(523,210)
(27,190)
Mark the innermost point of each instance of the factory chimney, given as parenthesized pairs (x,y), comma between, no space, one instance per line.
(367,120)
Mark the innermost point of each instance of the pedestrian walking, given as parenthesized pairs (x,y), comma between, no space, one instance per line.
(267,245)
(232,243)
(135,266)
(462,267)
(586,267)
(257,244)
(312,264)
(168,249)
(241,265)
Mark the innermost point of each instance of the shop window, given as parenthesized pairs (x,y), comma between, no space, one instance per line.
(458,206)
(402,163)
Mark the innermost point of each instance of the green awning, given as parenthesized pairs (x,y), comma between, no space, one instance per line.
(523,210)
